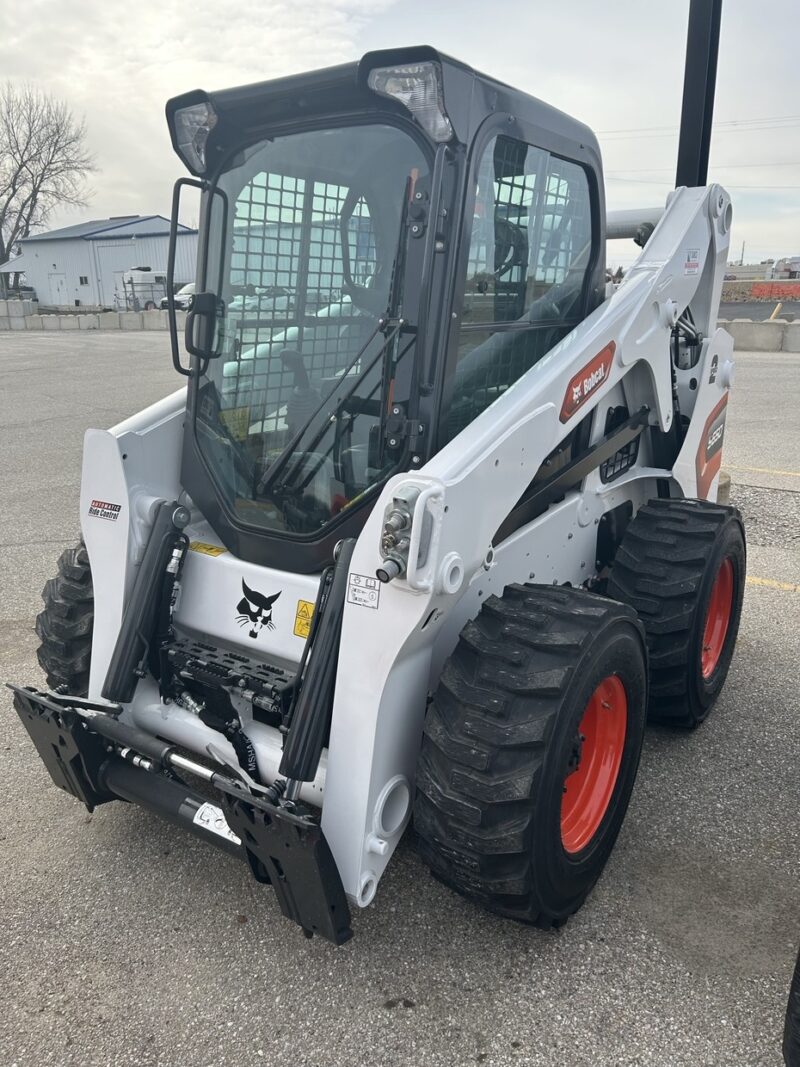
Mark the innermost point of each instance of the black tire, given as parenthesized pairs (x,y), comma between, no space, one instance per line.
(498,739)
(665,568)
(65,625)
(791,1029)
(150,305)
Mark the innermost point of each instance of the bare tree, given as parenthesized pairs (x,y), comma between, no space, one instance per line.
(44,162)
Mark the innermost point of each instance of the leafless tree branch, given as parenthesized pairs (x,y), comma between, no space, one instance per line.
(44,162)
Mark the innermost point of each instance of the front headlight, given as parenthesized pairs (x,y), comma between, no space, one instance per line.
(418,86)
(192,126)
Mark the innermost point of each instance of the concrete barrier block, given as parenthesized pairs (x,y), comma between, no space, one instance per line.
(17,322)
(33,322)
(88,322)
(756,336)
(5,322)
(180,319)
(51,322)
(4,309)
(791,337)
(130,320)
(69,322)
(154,320)
(16,309)
(108,320)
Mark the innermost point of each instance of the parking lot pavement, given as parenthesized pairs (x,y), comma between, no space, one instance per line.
(123,941)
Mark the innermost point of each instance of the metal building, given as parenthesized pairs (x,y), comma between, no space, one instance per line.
(84,264)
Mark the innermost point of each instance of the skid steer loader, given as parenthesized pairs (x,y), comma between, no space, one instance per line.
(432,527)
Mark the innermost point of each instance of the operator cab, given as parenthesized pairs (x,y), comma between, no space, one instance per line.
(386,247)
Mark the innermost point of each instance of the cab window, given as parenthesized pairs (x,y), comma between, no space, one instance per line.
(530,253)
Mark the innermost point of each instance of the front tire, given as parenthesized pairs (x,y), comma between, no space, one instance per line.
(530,750)
(65,625)
(682,566)
(791,1027)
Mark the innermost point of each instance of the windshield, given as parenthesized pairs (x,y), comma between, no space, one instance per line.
(291,416)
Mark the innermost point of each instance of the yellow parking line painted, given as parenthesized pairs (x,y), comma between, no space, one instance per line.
(788,587)
(762,470)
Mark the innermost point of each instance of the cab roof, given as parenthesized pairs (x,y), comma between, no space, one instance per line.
(469,98)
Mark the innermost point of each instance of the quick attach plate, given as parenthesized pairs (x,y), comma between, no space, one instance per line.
(291,853)
(72,754)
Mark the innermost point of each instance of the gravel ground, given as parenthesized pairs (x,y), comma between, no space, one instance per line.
(771,516)
(125,942)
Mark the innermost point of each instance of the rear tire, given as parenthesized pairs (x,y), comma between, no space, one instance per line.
(498,811)
(65,625)
(682,566)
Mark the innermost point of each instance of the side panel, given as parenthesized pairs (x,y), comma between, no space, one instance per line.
(126,470)
(698,464)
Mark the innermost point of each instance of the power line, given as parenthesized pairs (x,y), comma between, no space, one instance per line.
(731,125)
(713,167)
(666,182)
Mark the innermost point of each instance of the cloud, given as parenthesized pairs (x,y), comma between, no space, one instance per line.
(615,66)
(118,66)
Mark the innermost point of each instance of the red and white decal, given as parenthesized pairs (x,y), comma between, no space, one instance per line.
(101,509)
(709,453)
(585,382)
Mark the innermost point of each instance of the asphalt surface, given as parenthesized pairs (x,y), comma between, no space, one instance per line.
(760,309)
(125,942)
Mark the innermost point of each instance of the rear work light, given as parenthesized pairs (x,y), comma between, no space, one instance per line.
(192,126)
(418,86)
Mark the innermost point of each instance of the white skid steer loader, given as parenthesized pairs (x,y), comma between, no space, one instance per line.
(433,523)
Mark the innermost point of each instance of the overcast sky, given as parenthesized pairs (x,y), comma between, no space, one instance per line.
(617,66)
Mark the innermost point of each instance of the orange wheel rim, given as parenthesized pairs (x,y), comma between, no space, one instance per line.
(718,618)
(594,767)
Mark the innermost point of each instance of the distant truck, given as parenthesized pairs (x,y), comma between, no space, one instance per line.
(141,289)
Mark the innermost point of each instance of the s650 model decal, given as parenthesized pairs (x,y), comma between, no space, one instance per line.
(586,381)
(709,452)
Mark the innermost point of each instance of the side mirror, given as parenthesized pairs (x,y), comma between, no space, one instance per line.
(199,339)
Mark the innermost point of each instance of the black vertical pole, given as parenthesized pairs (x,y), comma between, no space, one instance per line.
(699,80)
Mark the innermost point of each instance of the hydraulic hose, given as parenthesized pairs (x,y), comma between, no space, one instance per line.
(138,629)
(312,710)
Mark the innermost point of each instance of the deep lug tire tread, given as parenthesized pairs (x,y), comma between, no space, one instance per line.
(662,570)
(64,626)
(486,744)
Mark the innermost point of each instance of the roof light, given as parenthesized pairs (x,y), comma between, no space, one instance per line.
(418,86)
(192,126)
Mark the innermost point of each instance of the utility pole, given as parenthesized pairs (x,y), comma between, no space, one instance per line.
(741,261)
(699,81)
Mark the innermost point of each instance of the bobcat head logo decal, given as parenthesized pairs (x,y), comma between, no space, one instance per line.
(255,610)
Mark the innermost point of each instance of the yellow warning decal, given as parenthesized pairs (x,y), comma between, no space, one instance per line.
(302,618)
(237,421)
(207,550)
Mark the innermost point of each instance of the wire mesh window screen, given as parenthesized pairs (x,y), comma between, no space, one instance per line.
(529,254)
(287,280)
(531,230)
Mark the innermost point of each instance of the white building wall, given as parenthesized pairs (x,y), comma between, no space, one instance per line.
(54,268)
(72,259)
(115,255)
